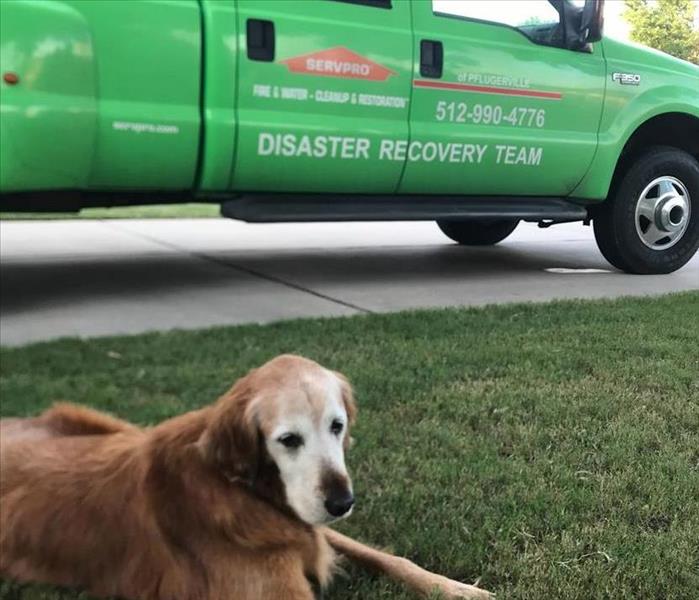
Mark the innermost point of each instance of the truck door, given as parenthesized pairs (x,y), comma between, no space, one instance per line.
(320,85)
(499,105)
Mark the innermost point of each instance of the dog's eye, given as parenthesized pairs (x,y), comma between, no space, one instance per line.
(290,440)
(336,427)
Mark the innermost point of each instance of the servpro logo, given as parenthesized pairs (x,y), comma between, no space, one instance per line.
(338,62)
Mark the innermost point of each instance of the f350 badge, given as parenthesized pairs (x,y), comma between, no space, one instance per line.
(627,78)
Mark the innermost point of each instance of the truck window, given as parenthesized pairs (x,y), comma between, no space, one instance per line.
(538,20)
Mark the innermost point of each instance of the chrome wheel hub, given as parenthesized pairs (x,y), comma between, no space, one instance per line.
(662,213)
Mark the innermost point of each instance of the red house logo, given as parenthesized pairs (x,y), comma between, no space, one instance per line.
(338,62)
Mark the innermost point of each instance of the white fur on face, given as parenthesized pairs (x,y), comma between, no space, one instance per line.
(301,469)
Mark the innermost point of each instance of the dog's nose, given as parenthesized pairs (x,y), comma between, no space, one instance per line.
(339,505)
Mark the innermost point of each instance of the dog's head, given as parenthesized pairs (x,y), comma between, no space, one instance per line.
(283,430)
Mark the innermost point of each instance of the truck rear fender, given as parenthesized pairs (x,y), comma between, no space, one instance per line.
(48,115)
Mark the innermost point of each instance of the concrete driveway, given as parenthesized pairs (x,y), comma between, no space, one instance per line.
(88,278)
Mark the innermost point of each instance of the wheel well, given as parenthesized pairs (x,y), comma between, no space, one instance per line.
(678,130)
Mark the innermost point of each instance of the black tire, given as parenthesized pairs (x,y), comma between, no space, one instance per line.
(614,222)
(478,232)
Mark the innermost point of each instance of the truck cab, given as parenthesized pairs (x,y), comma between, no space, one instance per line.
(474,114)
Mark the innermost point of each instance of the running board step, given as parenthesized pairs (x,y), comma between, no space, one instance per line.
(271,208)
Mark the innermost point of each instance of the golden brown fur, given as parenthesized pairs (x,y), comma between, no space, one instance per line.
(190,509)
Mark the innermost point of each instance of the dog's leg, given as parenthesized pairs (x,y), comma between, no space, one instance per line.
(401,569)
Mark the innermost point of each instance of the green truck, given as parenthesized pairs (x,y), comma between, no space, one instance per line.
(474,114)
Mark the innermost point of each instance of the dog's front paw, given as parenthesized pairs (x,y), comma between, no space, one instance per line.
(448,589)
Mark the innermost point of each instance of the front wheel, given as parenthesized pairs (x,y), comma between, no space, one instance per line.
(650,225)
(478,232)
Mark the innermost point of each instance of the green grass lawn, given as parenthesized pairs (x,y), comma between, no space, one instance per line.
(551,451)
(154,211)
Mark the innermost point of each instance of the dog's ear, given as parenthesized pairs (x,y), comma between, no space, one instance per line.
(231,440)
(350,405)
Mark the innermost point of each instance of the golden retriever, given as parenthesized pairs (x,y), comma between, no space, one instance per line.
(229,502)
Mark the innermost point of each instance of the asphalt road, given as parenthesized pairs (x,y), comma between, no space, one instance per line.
(93,278)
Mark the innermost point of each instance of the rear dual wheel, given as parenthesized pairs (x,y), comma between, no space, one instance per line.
(478,232)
